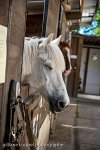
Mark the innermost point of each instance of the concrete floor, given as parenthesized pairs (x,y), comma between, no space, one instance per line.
(78,128)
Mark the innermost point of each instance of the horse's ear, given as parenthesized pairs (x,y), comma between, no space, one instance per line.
(57,41)
(47,40)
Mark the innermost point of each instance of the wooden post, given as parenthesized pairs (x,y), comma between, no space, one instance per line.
(73,79)
(12,15)
(77,76)
(53,17)
(29,131)
(4,11)
(86,69)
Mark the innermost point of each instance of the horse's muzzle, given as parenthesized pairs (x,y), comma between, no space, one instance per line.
(61,105)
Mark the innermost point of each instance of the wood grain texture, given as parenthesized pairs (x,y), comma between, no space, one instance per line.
(73,79)
(16,31)
(53,16)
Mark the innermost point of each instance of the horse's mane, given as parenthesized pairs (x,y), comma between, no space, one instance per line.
(30,50)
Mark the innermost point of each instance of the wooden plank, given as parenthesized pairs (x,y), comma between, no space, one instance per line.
(73,15)
(64,27)
(24,91)
(74,26)
(86,69)
(14,68)
(29,117)
(44,114)
(39,110)
(53,16)
(81,5)
(4,8)
(4,11)
(29,130)
(77,75)
(15,34)
(71,77)
(16,31)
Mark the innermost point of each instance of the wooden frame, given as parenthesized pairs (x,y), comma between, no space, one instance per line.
(86,69)
(73,79)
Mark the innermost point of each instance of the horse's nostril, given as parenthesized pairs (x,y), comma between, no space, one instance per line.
(61,105)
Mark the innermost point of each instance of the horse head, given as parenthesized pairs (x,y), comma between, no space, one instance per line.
(46,74)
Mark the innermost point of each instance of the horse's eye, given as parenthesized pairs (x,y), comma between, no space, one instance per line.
(48,66)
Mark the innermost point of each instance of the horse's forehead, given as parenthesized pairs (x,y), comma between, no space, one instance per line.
(57,57)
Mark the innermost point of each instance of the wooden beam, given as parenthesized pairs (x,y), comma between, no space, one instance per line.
(73,15)
(92,46)
(85,23)
(74,26)
(81,5)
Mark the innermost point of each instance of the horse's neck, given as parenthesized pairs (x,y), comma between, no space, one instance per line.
(30,51)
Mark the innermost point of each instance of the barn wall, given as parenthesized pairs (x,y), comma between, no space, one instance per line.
(4,6)
(16,31)
(4,10)
(52,17)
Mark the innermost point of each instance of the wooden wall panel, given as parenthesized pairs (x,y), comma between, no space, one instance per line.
(4,11)
(52,17)
(17,24)
(16,32)
(4,6)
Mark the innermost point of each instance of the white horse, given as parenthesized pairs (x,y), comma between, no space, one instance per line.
(43,65)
